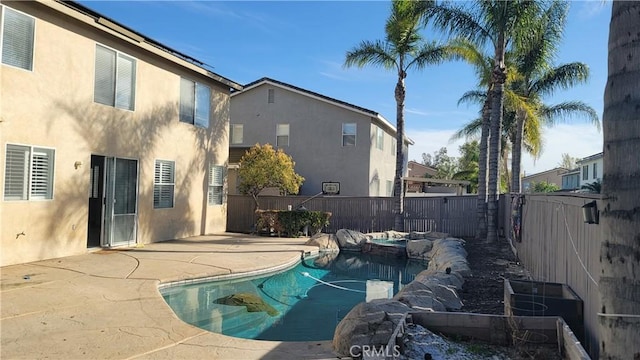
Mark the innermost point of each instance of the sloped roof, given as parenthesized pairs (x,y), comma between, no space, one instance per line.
(101,20)
(313,94)
(557,169)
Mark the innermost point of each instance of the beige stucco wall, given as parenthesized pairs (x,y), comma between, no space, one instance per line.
(315,139)
(52,106)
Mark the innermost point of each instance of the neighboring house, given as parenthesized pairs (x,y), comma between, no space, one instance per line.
(591,168)
(553,176)
(571,180)
(416,183)
(329,140)
(420,170)
(107,138)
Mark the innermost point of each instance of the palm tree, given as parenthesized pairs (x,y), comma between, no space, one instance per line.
(536,79)
(502,24)
(402,50)
(619,283)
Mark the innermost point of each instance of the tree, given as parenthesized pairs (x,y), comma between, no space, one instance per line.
(568,162)
(468,164)
(543,187)
(537,78)
(263,167)
(402,50)
(619,284)
(593,187)
(503,24)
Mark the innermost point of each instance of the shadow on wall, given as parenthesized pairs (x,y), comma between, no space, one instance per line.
(136,135)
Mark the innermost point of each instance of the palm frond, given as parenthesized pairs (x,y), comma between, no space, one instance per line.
(473,97)
(562,77)
(566,110)
(371,53)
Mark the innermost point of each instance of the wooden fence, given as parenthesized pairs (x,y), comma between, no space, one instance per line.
(558,246)
(451,214)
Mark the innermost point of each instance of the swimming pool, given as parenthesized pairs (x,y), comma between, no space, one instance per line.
(303,303)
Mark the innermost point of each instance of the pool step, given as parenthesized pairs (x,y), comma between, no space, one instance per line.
(232,320)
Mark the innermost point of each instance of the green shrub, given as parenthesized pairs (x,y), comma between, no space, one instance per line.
(290,223)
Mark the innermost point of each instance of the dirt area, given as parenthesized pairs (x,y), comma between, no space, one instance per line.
(483,291)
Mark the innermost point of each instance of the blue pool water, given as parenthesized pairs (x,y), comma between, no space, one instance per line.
(310,298)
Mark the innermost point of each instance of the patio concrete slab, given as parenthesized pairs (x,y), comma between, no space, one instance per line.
(106,304)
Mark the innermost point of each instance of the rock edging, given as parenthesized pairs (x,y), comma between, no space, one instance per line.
(434,289)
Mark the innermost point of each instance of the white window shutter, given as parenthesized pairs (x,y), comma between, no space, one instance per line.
(42,174)
(164,184)
(17,39)
(16,174)
(105,81)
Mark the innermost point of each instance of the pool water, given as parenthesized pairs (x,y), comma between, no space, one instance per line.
(310,299)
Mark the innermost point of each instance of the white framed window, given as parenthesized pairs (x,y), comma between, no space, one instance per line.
(216,184)
(349,131)
(115,78)
(28,173)
(271,95)
(585,172)
(379,138)
(195,103)
(164,184)
(18,31)
(595,170)
(282,135)
(389,187)
(237,134)
(393,146)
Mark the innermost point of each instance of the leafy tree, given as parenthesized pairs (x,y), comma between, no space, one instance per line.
(568,162)
(468,164)
(402,50)
(543,187)
(619,283)
(263,167)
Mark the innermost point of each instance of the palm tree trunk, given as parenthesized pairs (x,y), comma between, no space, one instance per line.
(516,152)
(398,222)
(619,284)
(481,205)
(498,79)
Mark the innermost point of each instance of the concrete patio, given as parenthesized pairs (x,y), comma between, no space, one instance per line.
(106,304)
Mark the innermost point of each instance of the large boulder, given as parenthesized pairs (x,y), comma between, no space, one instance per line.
(252,302)
(350,240)
(419,249)
(419,297)
(324,242)
(368,323)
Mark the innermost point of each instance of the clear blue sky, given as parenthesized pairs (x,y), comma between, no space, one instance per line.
(304,43)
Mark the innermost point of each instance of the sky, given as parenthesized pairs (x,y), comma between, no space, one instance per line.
(304,43)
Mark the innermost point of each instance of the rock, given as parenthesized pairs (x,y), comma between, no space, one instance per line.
(350,240)
(253,303)
(325,259)
(454,279)
(447,295)
(369,323)
(420,297)
(324,242)
(419,249)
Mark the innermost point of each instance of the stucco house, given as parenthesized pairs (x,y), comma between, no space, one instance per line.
(591,168)
(553,176)
(107,138)
(331,141)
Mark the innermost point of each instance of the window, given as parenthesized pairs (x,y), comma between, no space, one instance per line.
(282,135)
(379,138)
(28,173)
(595,170)
(163,184)
(270,96)
(349,134)
(393,146)
(115,79)
(389,188)
(216,183)
(585,172)
(18,32)
(195,103)
(237,131)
